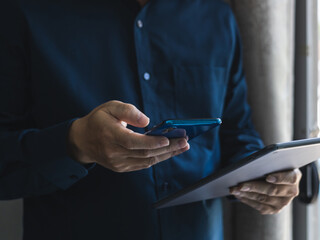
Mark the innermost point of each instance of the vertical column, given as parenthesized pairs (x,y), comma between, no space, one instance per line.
(306,217)
(267,29)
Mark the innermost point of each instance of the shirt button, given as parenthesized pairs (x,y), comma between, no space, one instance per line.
(139,24)
(146,76)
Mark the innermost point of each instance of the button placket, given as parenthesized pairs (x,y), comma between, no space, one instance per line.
(146,75)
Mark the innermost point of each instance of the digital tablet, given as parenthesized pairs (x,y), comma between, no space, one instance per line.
(273,158)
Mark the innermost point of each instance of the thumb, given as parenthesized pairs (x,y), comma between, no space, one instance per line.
(126,112)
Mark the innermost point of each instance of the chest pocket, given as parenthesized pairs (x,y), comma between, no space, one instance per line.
(200,93)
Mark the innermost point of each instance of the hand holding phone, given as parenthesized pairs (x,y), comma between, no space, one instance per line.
(182,128)
(102,137)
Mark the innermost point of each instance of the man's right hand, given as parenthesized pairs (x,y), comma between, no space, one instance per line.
(102,136)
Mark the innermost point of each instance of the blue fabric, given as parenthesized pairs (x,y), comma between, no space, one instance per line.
(59,59)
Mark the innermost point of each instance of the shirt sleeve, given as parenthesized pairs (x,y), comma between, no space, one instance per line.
(33,161)
(238,136)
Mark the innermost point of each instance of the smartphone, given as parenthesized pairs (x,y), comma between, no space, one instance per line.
(179,128)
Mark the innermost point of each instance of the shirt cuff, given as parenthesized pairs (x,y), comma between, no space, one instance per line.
(46,150)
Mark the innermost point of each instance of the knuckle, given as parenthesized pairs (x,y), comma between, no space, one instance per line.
(127,108)
(294,178)
(116,166)
(111,103)
(262,198)
(294,192)
(107,104)
(98,112)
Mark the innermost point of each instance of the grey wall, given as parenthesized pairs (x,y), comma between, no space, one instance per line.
(11,220)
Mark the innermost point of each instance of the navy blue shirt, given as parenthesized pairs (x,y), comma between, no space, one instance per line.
(59,59)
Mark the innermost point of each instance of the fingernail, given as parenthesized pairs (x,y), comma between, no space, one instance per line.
(140,118)
(236,192)
(164,142)
(182,143)
(271,179)
(148,120)
(245,189)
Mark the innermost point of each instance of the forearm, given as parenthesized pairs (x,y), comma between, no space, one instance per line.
(38,161)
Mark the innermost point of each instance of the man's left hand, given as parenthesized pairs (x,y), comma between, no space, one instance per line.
(273,194)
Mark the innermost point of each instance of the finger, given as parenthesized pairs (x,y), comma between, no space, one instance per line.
(262,208)
(138,163)
(265,199)
(175,145)
(270,189)
(128,139)
(135,164)
(126,112)
(290,177)
(134,141)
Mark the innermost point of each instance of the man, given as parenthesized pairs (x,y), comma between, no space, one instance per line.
(73,75)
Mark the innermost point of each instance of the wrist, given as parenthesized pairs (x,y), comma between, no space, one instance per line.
(74,143)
